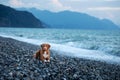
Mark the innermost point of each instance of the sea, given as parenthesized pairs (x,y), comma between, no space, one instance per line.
(99,45)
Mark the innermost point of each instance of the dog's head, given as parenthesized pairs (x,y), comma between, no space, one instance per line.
(45,46)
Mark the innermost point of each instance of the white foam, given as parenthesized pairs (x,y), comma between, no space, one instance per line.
(73,52)
(84,53)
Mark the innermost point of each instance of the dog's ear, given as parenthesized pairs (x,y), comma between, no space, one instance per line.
(48,46)
(41,45)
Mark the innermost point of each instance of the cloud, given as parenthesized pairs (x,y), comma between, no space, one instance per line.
(57,3)
(92,0)
(16,3)
(21,3)
(58,6)
(104,8)
(52,5)
(111,0)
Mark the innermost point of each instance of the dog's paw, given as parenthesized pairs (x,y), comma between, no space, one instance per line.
(48,60)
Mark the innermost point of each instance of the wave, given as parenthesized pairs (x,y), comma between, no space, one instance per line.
(72,51)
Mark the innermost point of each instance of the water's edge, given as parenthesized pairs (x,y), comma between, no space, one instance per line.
(73,52)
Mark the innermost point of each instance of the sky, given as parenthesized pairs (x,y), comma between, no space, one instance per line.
(109,9)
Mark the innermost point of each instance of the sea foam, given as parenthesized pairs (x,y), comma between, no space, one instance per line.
(72,51)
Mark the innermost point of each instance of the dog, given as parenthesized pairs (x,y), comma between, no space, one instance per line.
(44,53)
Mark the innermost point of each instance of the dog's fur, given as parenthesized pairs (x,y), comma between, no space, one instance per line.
(44,53)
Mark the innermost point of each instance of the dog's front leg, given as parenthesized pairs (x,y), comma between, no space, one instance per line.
(47,59)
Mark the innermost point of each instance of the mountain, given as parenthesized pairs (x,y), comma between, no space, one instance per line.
(10,17)
(73,20)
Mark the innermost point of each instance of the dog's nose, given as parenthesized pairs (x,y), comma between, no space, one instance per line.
(45,48)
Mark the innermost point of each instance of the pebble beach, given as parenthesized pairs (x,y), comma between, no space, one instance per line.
(17,63)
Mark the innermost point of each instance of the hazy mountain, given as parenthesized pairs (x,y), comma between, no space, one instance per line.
(69,19)
(10,17)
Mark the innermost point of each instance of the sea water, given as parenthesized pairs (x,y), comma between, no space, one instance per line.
(103,45)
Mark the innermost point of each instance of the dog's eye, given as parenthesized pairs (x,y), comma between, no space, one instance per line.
(41,45)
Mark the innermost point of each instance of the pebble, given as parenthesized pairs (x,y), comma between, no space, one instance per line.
(75,75)
(16,63)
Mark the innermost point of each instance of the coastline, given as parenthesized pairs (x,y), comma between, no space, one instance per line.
(17,63)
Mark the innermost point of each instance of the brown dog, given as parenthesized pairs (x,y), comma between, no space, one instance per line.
(44,53)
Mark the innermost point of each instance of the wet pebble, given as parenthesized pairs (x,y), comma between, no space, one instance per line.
(16,62)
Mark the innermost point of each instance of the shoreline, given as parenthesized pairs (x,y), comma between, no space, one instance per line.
(96,55)
(17,63)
